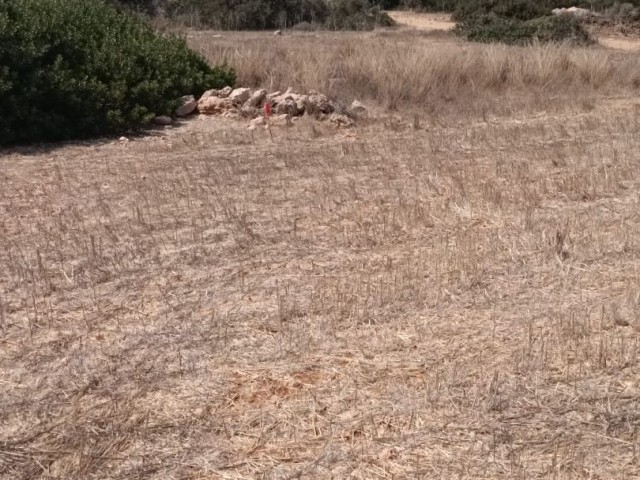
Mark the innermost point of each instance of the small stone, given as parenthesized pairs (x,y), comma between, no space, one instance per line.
(357,110)
(283,120)
(188,105)
(340,120)
(163,120)
(388,453)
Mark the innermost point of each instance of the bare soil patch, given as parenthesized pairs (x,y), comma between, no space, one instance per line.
(422,21)
(629,44)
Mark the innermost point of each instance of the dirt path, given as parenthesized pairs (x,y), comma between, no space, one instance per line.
(631,44)
(430,22)
(422,21)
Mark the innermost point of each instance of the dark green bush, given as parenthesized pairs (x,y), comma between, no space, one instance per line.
(511,9)
(355,15)
(559,28)
(493,28)
(624,13)
(489,28)
(144,6)
(79,68)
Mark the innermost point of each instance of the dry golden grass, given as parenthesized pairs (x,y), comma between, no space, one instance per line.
(457,300)
(431,72)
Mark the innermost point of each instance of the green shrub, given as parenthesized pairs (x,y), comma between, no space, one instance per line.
(559,28)
(511,9)
(79,68)
(490,28)
(355,15)
(624,13)
(493,28)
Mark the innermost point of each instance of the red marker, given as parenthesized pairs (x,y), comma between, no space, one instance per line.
(267,109)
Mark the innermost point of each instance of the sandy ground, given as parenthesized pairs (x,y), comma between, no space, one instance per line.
(422,21)
(627,44)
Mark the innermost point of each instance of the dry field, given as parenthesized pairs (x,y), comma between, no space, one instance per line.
(440,292)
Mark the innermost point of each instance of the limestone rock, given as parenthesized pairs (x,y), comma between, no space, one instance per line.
(214,105)
(209,93)
(249,111)
(575,11)
(318,103)
(357,110)
(289,102)
(258,121)
(256,99)
(282,120)
(188,105)
(163,120)
(340,120)
(240,95)
(225,92)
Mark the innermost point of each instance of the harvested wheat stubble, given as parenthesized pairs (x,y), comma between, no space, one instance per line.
(451,302)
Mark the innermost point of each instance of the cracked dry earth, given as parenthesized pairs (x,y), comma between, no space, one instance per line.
(452,301)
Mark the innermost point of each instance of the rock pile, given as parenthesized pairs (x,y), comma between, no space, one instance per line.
(574,11)
(285,107)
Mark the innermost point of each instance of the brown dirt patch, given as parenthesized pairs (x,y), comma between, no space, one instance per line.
(422,21)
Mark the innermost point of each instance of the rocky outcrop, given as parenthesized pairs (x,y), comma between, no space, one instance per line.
(574,11)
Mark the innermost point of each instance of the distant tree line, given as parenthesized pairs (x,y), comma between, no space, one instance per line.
(266,14)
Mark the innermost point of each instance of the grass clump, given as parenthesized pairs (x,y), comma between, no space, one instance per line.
(80,68)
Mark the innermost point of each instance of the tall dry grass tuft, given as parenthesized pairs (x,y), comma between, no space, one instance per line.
(406,69)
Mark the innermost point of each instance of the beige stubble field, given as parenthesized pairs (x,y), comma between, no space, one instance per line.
(431,294)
